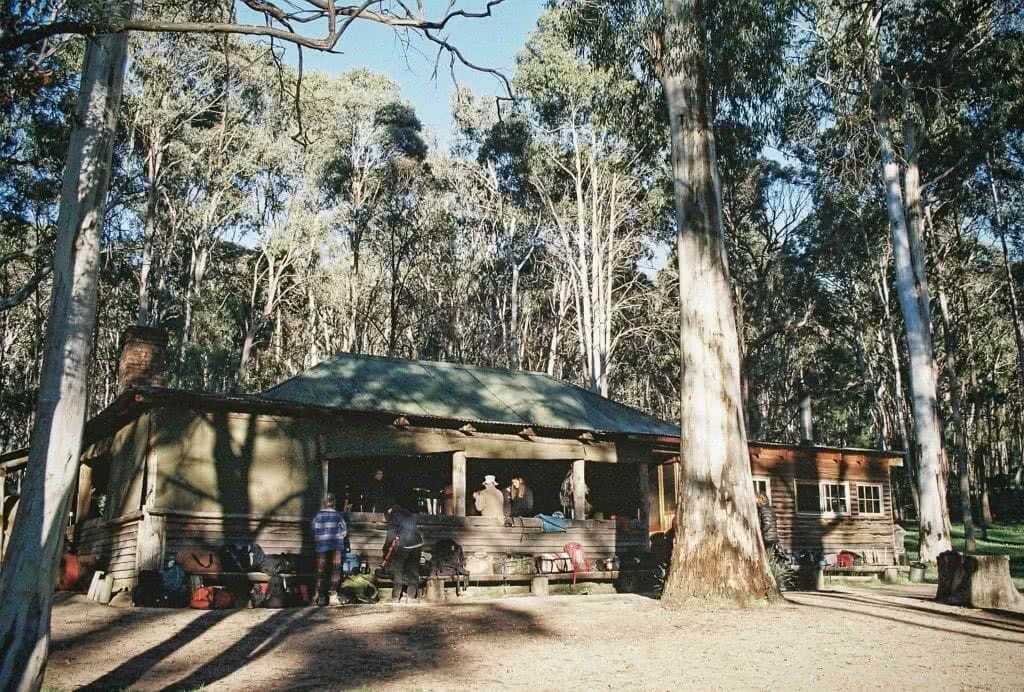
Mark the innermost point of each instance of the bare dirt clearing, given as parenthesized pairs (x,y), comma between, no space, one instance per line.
(843,638)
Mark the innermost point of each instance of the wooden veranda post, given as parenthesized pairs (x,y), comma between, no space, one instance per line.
(643,484)
(152,527)
(459,482)
(84,498)
(579,489)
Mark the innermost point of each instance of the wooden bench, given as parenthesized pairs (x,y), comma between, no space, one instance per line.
(887,573)
(539,582)
(197,579)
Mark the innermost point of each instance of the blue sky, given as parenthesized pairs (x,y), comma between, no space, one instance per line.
(492,42)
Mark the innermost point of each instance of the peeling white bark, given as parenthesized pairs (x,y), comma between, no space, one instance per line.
(33,557)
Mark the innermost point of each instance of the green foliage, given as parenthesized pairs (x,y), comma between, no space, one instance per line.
(1003,539)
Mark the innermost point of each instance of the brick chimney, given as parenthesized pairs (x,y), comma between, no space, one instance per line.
(142,357)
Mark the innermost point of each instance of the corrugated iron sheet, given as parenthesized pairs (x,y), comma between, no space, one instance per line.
(461,392)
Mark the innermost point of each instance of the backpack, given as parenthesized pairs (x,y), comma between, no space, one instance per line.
(258,595)
(276,564)
(277,595)
(350,563)
(447,559)
(242,557)
(578,559)
(149,591)
(174,578)
(211,597)
(358,589)
(550,523)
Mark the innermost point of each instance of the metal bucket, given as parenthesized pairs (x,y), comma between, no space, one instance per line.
(917,573)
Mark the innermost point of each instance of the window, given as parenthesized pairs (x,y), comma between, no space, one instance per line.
(836,500)
(808,497)
(825,497)
(869,499)
(763,486)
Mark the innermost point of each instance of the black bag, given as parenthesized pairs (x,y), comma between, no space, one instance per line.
(258,595)
(277,595)
(242,557)
(277,564)
(149,591)
(447,559)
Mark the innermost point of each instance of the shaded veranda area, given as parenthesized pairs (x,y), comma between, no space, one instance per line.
(847,638)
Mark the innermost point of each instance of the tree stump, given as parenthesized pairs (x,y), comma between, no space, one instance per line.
(977,581)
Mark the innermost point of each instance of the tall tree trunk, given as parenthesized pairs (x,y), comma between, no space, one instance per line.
(912,291)
(718,551)
(30,569)
(806,413)
(1018,330)
(956,404)
(154,165)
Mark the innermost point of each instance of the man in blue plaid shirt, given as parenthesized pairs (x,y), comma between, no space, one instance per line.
(329,533)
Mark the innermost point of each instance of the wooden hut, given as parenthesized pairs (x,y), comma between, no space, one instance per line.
(826,499)
(165,470)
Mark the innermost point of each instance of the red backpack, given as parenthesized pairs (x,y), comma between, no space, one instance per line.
(578,558)
(207,597)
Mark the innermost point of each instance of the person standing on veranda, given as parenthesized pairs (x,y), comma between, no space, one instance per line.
(490,501)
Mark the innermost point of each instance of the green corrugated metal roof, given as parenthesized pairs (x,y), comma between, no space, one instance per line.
(461,392)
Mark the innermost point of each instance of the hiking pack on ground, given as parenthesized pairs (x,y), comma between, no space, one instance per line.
(449,561)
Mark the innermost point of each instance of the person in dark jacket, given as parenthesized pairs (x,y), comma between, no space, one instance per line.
(521,498)
(769,525)
(405,556)
(377,495)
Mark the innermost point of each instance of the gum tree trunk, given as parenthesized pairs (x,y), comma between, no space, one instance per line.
(30,568)
(718,551)
(912,291)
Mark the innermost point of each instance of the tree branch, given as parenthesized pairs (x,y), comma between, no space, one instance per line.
(19,296)
(321,9)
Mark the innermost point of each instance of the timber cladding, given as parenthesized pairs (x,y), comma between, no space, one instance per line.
(202,531)
(803,528)
(111,546)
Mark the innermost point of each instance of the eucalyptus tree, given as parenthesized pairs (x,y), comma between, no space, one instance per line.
(374,135)
(715,64)
(909,76)
(27,576)
(162,111)
(598,190)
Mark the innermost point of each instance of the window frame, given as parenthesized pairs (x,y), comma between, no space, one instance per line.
(822,511)
(796,497)
(881,499)
(767,486)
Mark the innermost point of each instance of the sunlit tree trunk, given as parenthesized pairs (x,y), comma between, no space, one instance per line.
(912,291)
(29,570)
(718,551)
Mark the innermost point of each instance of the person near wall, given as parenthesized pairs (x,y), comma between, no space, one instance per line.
(769,524)
(448,501)
(377,496)
(329,534)
(490,502)
(521,498)
(404,543)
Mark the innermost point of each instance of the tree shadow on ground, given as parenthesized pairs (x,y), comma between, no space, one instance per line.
(335,646)
(1012,624)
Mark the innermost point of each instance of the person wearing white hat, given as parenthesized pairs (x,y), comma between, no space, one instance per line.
(490,502)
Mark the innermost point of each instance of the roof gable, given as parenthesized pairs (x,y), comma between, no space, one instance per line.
(461,392)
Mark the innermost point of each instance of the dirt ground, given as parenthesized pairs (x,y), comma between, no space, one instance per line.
(846,638)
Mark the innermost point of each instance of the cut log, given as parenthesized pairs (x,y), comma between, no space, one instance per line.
(977,581)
